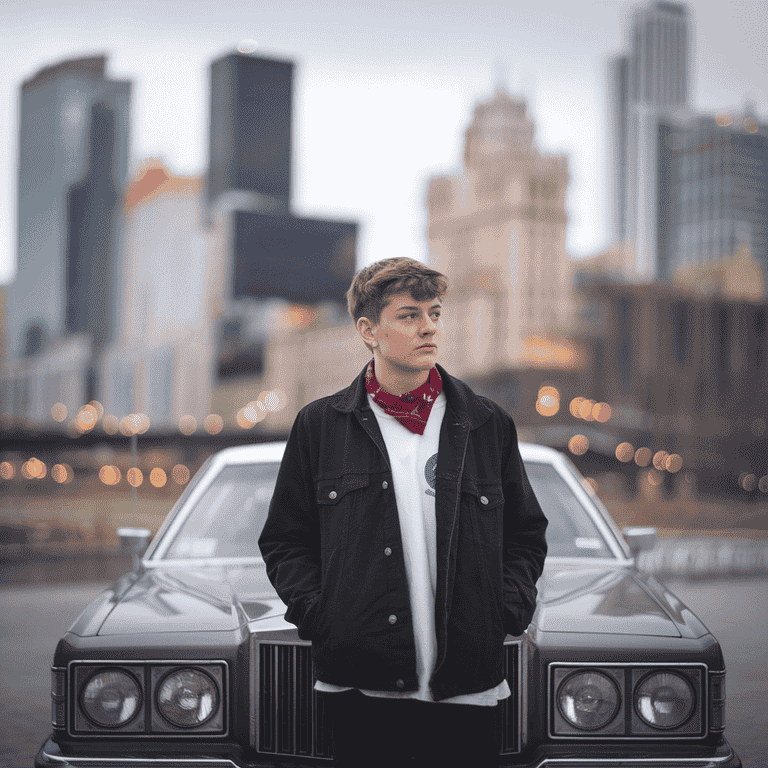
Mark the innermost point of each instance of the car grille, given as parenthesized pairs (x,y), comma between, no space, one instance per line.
(288,717)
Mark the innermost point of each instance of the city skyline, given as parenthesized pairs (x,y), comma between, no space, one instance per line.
(358,94)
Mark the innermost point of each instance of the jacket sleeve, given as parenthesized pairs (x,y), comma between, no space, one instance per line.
(290,540)
(525,544)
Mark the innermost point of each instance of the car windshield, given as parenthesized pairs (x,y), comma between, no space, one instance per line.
(227,519)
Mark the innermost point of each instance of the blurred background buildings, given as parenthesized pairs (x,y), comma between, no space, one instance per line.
(199,311)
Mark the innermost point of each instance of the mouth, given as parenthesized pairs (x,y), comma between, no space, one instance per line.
(427,346)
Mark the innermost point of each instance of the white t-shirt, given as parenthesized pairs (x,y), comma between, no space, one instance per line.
(413,459)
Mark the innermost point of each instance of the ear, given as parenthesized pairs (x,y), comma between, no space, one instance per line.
(365,329)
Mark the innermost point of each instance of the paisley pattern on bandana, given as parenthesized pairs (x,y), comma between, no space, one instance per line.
(411,409)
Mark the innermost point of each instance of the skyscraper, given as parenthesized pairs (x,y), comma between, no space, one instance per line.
(713,204)
(73,157)
(649,83)
(250,138)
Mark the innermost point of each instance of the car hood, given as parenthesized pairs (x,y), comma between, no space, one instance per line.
(204,599)
(610,600)
(573,597)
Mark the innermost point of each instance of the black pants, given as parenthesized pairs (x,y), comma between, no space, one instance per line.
(371,732)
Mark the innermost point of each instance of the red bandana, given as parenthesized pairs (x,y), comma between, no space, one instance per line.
(411,409)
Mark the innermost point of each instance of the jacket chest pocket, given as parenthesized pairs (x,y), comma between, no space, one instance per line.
(481,512)
(339,503)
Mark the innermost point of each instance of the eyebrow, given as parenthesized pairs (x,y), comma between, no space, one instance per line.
(434,306)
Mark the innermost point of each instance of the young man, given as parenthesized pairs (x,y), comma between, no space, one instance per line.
(405,540)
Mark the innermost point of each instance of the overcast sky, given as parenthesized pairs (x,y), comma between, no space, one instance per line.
(383,91)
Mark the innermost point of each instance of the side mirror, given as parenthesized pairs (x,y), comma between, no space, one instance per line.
(135,541)
(640,539)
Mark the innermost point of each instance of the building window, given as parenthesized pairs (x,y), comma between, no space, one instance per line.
(625,362)
(680,320)
(722,359)
(759,325)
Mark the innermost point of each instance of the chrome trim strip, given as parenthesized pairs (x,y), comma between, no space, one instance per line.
(224,761)
(201,562)
(521,681)
(634,665)
(72,696)
(547,761)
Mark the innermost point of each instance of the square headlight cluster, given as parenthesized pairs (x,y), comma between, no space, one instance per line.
(160,698)
(627,701)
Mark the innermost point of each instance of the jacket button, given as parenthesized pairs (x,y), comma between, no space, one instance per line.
(392,619)
(388,551)
(400,683)
(483,499)
(385,485)
(332,495)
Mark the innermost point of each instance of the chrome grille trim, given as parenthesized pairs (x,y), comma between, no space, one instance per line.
(287,718)
(512,724)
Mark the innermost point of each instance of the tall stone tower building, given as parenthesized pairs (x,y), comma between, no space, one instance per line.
(497,230)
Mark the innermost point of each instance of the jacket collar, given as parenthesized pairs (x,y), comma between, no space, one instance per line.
(464,403)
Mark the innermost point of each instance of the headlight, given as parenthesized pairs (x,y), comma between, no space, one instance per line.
(187,698)
(664,700)
(111,698)
(588,700)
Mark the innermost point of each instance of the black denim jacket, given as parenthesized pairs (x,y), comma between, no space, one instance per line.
(334,554)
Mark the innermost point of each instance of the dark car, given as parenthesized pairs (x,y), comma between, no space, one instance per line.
(188,661)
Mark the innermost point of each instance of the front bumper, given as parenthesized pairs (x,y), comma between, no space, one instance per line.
(50,756)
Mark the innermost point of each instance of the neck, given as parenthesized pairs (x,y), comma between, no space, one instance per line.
(396,381)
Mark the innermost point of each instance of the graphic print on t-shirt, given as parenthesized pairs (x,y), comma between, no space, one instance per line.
(430,472)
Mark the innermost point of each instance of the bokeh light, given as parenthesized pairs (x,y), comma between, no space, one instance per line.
(180,474)
(601,412)
(213,423)
(578,445)
(659,460)
(110,424)
(673,463)
(157,477)
(625,452)
(7,471)
(99,408)
(109,474)
(591,486)
(723,119)
(763,484)
(33,469)
(140,422)
(749,483)
(187,425)
(242,421)
(643,457)
(247,46)
(86,418)
(59,411)
(134,476)
(654,477)
(575,406)
(751,125)
(548,401)
(59,473)
(585,410)
(126,426)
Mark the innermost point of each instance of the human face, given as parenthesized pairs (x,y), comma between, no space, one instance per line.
(406,339)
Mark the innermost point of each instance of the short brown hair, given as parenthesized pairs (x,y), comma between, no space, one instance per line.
(373,285)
